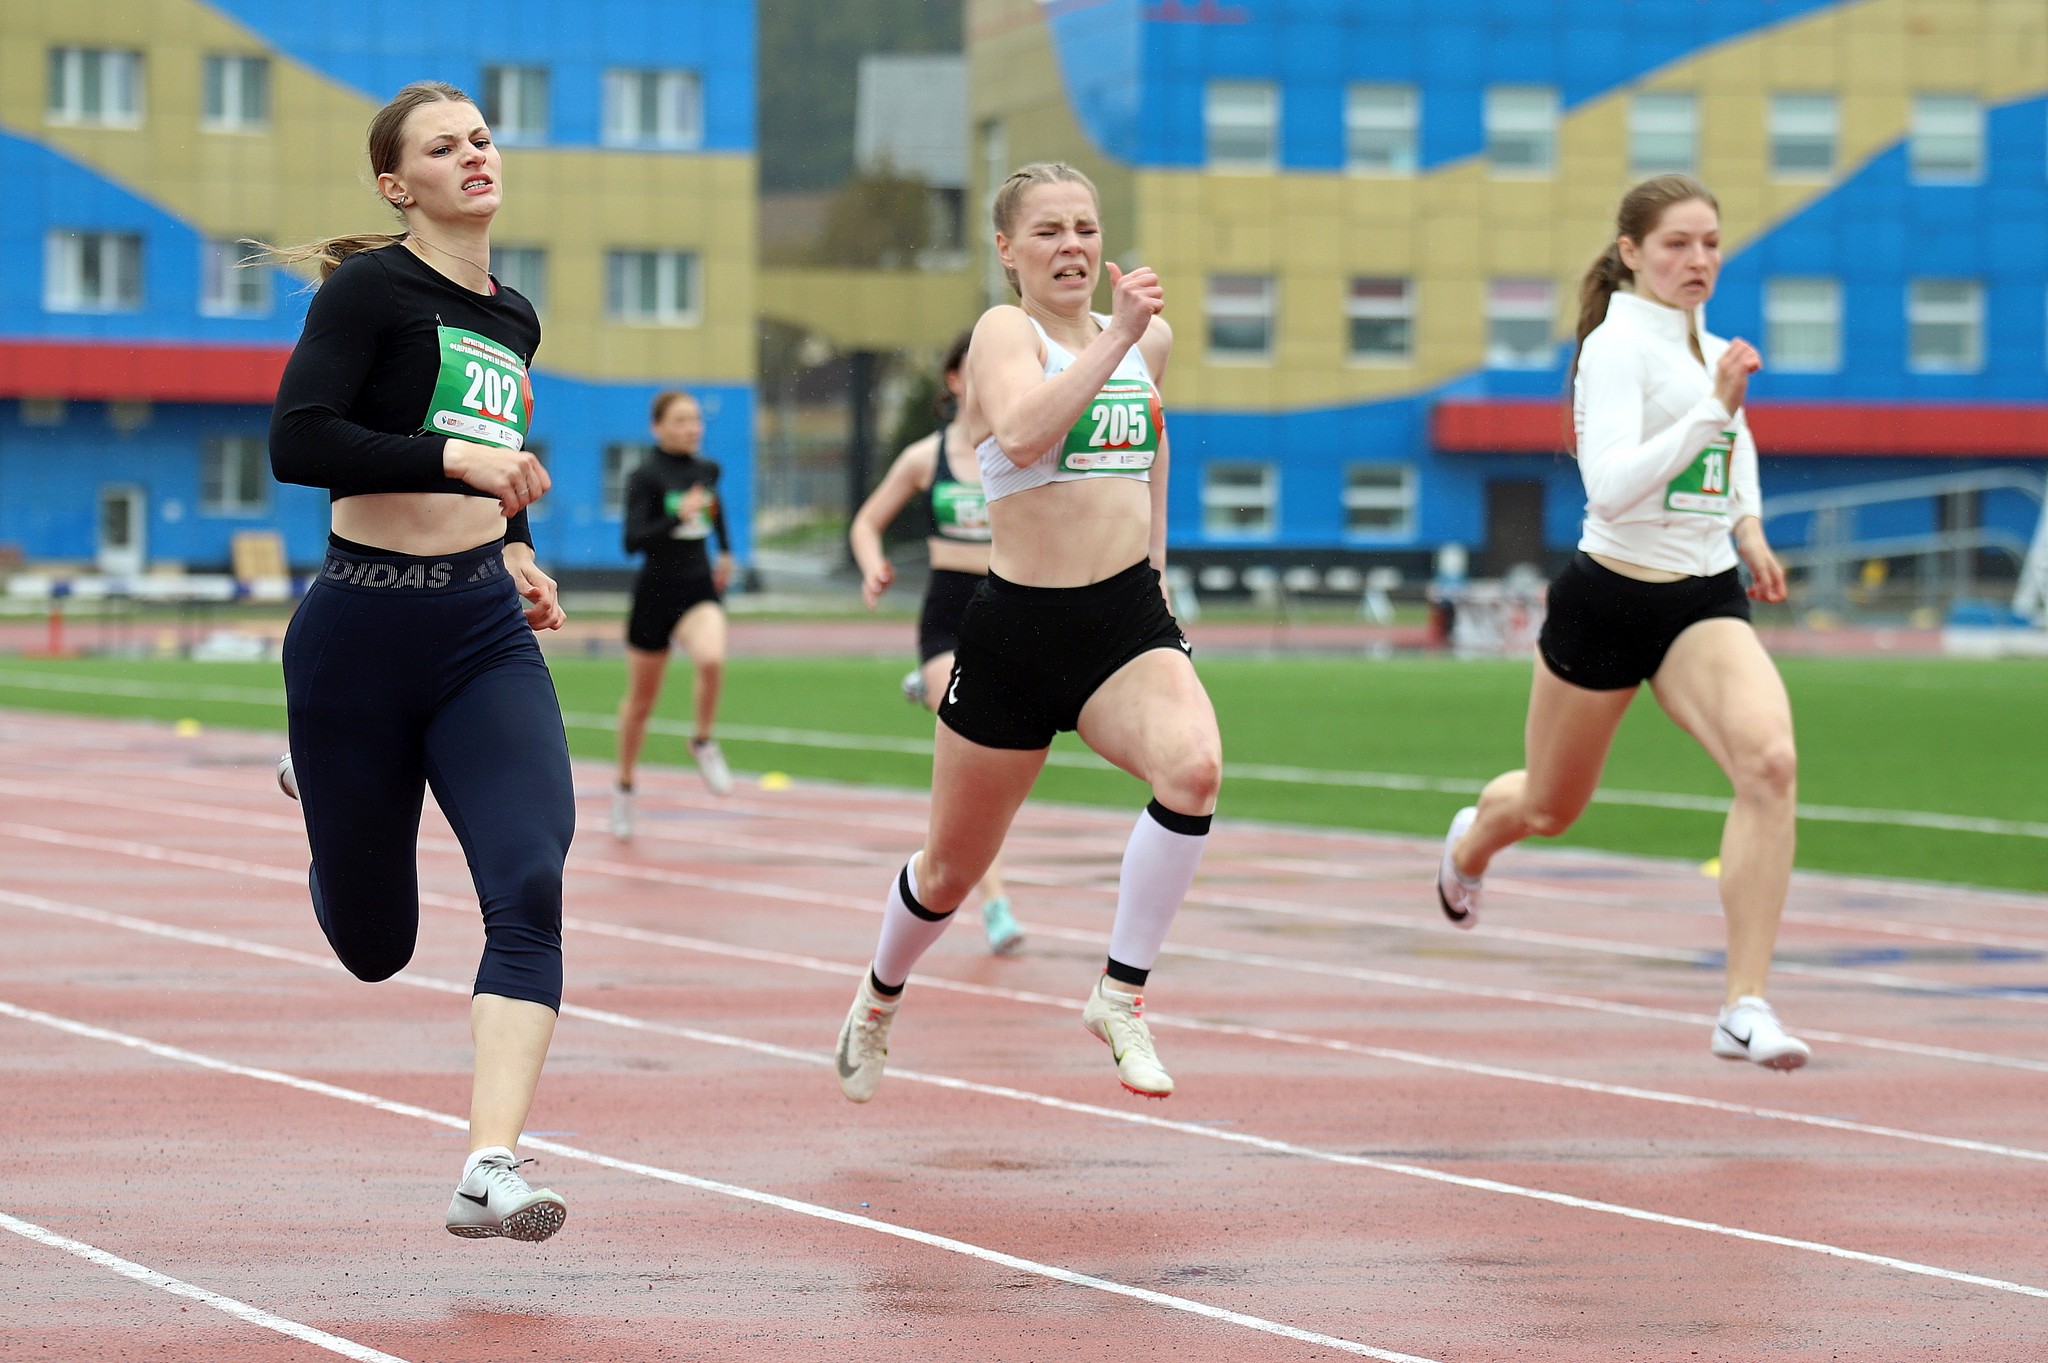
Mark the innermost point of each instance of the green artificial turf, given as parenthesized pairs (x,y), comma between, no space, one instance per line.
(1936,736)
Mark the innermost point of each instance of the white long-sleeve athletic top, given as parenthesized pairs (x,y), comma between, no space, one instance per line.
(1668,473)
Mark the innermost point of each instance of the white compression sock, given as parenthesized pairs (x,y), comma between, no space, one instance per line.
(478,1157)
(1159,866)
(908,929)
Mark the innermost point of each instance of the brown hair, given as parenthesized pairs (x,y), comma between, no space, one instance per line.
(1642,208)
(666,398)
(956,353)
(386,143)
(1024,179)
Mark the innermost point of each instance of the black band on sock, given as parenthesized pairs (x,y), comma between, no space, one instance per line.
(886,991)
(1187,825)
(917,910)
(1129,974)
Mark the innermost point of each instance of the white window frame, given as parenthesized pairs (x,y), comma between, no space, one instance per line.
(115,73)
(1380,306)
(230,84)
(670,271)
(524,268)
(615,466)
(1230,499)
(517,103)
(1522,115)
(1947,142)
(1382,128)
(1241,109)
(1663,133)
(1804,120)
(1924,309)
(1400,498)
(1808,307)
(1232,304)
(234,475)
(67,257)
(674,98)
(1517,301)
(227,286)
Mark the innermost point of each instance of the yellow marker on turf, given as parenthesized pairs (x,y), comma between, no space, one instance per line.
(774,780)
(1711,868)
(186,728)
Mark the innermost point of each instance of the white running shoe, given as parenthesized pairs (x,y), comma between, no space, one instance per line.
(1119,1019)
(287,779)
(1749,1030)
(711,765)
(913,687)
(864,1042)
(622,814)
(494,1200)
(1458,894)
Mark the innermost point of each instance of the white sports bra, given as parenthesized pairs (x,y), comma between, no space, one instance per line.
(1116,437)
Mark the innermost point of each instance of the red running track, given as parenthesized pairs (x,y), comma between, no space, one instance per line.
(1390,1139)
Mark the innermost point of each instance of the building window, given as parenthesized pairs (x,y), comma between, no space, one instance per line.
(234,475)
(1240,317)
(1663,133)
(1945,325)
(654,109)
(1242,118)
(1380,124)
(1381,313)
(658,287)
(1240,499)
(516,103)
(95,86)
(1379,500)
(92,272)
(231,281)
(1948,138)
(524,269)
(1518,324)
(1803,325)
(1521,129)
(1803,130)
(621,457)
(237,93)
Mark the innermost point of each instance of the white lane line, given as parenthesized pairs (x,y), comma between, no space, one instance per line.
(177,1287)
(1238,771)
(1239,1138)
(152,928)
(784,894)
(733,1190)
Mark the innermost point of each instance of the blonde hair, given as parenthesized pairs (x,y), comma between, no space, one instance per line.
(1024,179)
(386,145)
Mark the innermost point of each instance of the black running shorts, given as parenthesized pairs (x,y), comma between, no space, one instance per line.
(945,601)
(659,601)
(1030,657)
(1607,632)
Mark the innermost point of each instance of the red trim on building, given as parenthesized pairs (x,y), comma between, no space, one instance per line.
(1537,426)
(140,371)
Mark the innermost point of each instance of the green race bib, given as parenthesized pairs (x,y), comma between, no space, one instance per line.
(1703,487)
(1118,433)
(959,510)
(482,393)
(691,527)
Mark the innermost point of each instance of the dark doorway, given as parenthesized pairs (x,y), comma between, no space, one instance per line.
(1514,526)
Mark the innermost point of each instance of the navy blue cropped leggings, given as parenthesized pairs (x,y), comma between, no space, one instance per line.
(403,673)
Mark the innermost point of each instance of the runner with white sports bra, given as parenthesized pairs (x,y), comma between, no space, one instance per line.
(940,470)
(1070,630)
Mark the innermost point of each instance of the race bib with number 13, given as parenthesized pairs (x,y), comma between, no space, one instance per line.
(482,393)
(1703,487)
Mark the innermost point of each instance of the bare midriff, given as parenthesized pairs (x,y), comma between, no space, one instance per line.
(1071,534)
(958,556)
(1636,570)
(419,523)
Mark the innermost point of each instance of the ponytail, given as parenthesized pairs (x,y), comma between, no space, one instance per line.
(327,253)
(1603,278)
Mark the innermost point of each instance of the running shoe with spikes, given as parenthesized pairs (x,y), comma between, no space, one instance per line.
(1455,891)
(913,687)
(864,1042)
(1004,936)
(287,779)
(493,1200)
(1119,1019)
(622,814)
(711,765)
(1749,1030)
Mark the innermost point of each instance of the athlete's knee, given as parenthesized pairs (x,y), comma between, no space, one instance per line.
(1191,780)
(943,882)
(1768,768)
(370,958)
(1548,820)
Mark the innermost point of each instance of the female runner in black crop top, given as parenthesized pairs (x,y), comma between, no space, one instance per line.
(410,664)
(942,469)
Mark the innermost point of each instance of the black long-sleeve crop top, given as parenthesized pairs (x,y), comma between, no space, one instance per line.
(394,359)
(655,524)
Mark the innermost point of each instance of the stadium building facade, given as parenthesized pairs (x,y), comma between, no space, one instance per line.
(1372,220)
(144,140)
